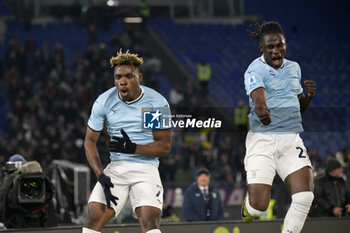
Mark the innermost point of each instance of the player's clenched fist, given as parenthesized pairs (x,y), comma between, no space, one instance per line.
(264,115)
(310,87)
(122,144)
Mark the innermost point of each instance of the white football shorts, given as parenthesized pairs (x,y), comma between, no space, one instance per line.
(267,154)
(138,181)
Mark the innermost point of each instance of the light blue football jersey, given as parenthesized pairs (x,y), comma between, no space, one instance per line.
(109,109)
(282,87)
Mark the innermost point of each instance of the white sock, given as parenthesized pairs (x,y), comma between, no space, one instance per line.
(298,210)
(154,231)
(253,212)
(87,230)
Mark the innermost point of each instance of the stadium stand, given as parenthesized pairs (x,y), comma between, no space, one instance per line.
(45,118)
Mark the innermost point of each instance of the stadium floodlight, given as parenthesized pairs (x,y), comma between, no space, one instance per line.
(133,20)
(112,3)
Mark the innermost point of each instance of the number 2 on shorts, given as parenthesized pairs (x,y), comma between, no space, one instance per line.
(301,152)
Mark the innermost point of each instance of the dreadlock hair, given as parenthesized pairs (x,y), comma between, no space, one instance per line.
(126,59)
(264,28)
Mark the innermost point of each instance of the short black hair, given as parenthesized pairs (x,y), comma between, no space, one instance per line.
(260,30)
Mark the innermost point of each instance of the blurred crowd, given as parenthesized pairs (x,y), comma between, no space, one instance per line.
(50,101)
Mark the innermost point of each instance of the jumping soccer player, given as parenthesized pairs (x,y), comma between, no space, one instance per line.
(133,171)
(276,99)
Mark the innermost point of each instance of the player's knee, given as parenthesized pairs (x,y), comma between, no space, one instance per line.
(303,197)
(93,225)
(149,223)
(302,200)
(149,217)
(259,196)
(259,204)
(98,216)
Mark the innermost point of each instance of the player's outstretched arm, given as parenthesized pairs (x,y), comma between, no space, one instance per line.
(160,147)
(260,107)
(91,151)
(93,157)
(305,101)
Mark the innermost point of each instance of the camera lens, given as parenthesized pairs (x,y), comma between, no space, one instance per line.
(31,188)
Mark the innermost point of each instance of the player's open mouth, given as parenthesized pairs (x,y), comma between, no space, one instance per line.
(124,92)
(277,60)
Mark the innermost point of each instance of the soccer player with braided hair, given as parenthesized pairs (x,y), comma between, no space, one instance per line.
(277,101)
(134,150)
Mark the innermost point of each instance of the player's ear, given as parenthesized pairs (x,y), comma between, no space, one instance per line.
(140,77)
(261,46)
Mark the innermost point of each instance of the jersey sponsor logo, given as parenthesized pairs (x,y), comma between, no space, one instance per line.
(252,82)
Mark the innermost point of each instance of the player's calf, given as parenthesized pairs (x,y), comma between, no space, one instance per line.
(298,210)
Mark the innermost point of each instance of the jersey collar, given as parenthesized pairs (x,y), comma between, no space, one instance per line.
(203,187)
(263,60)
(133,101)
